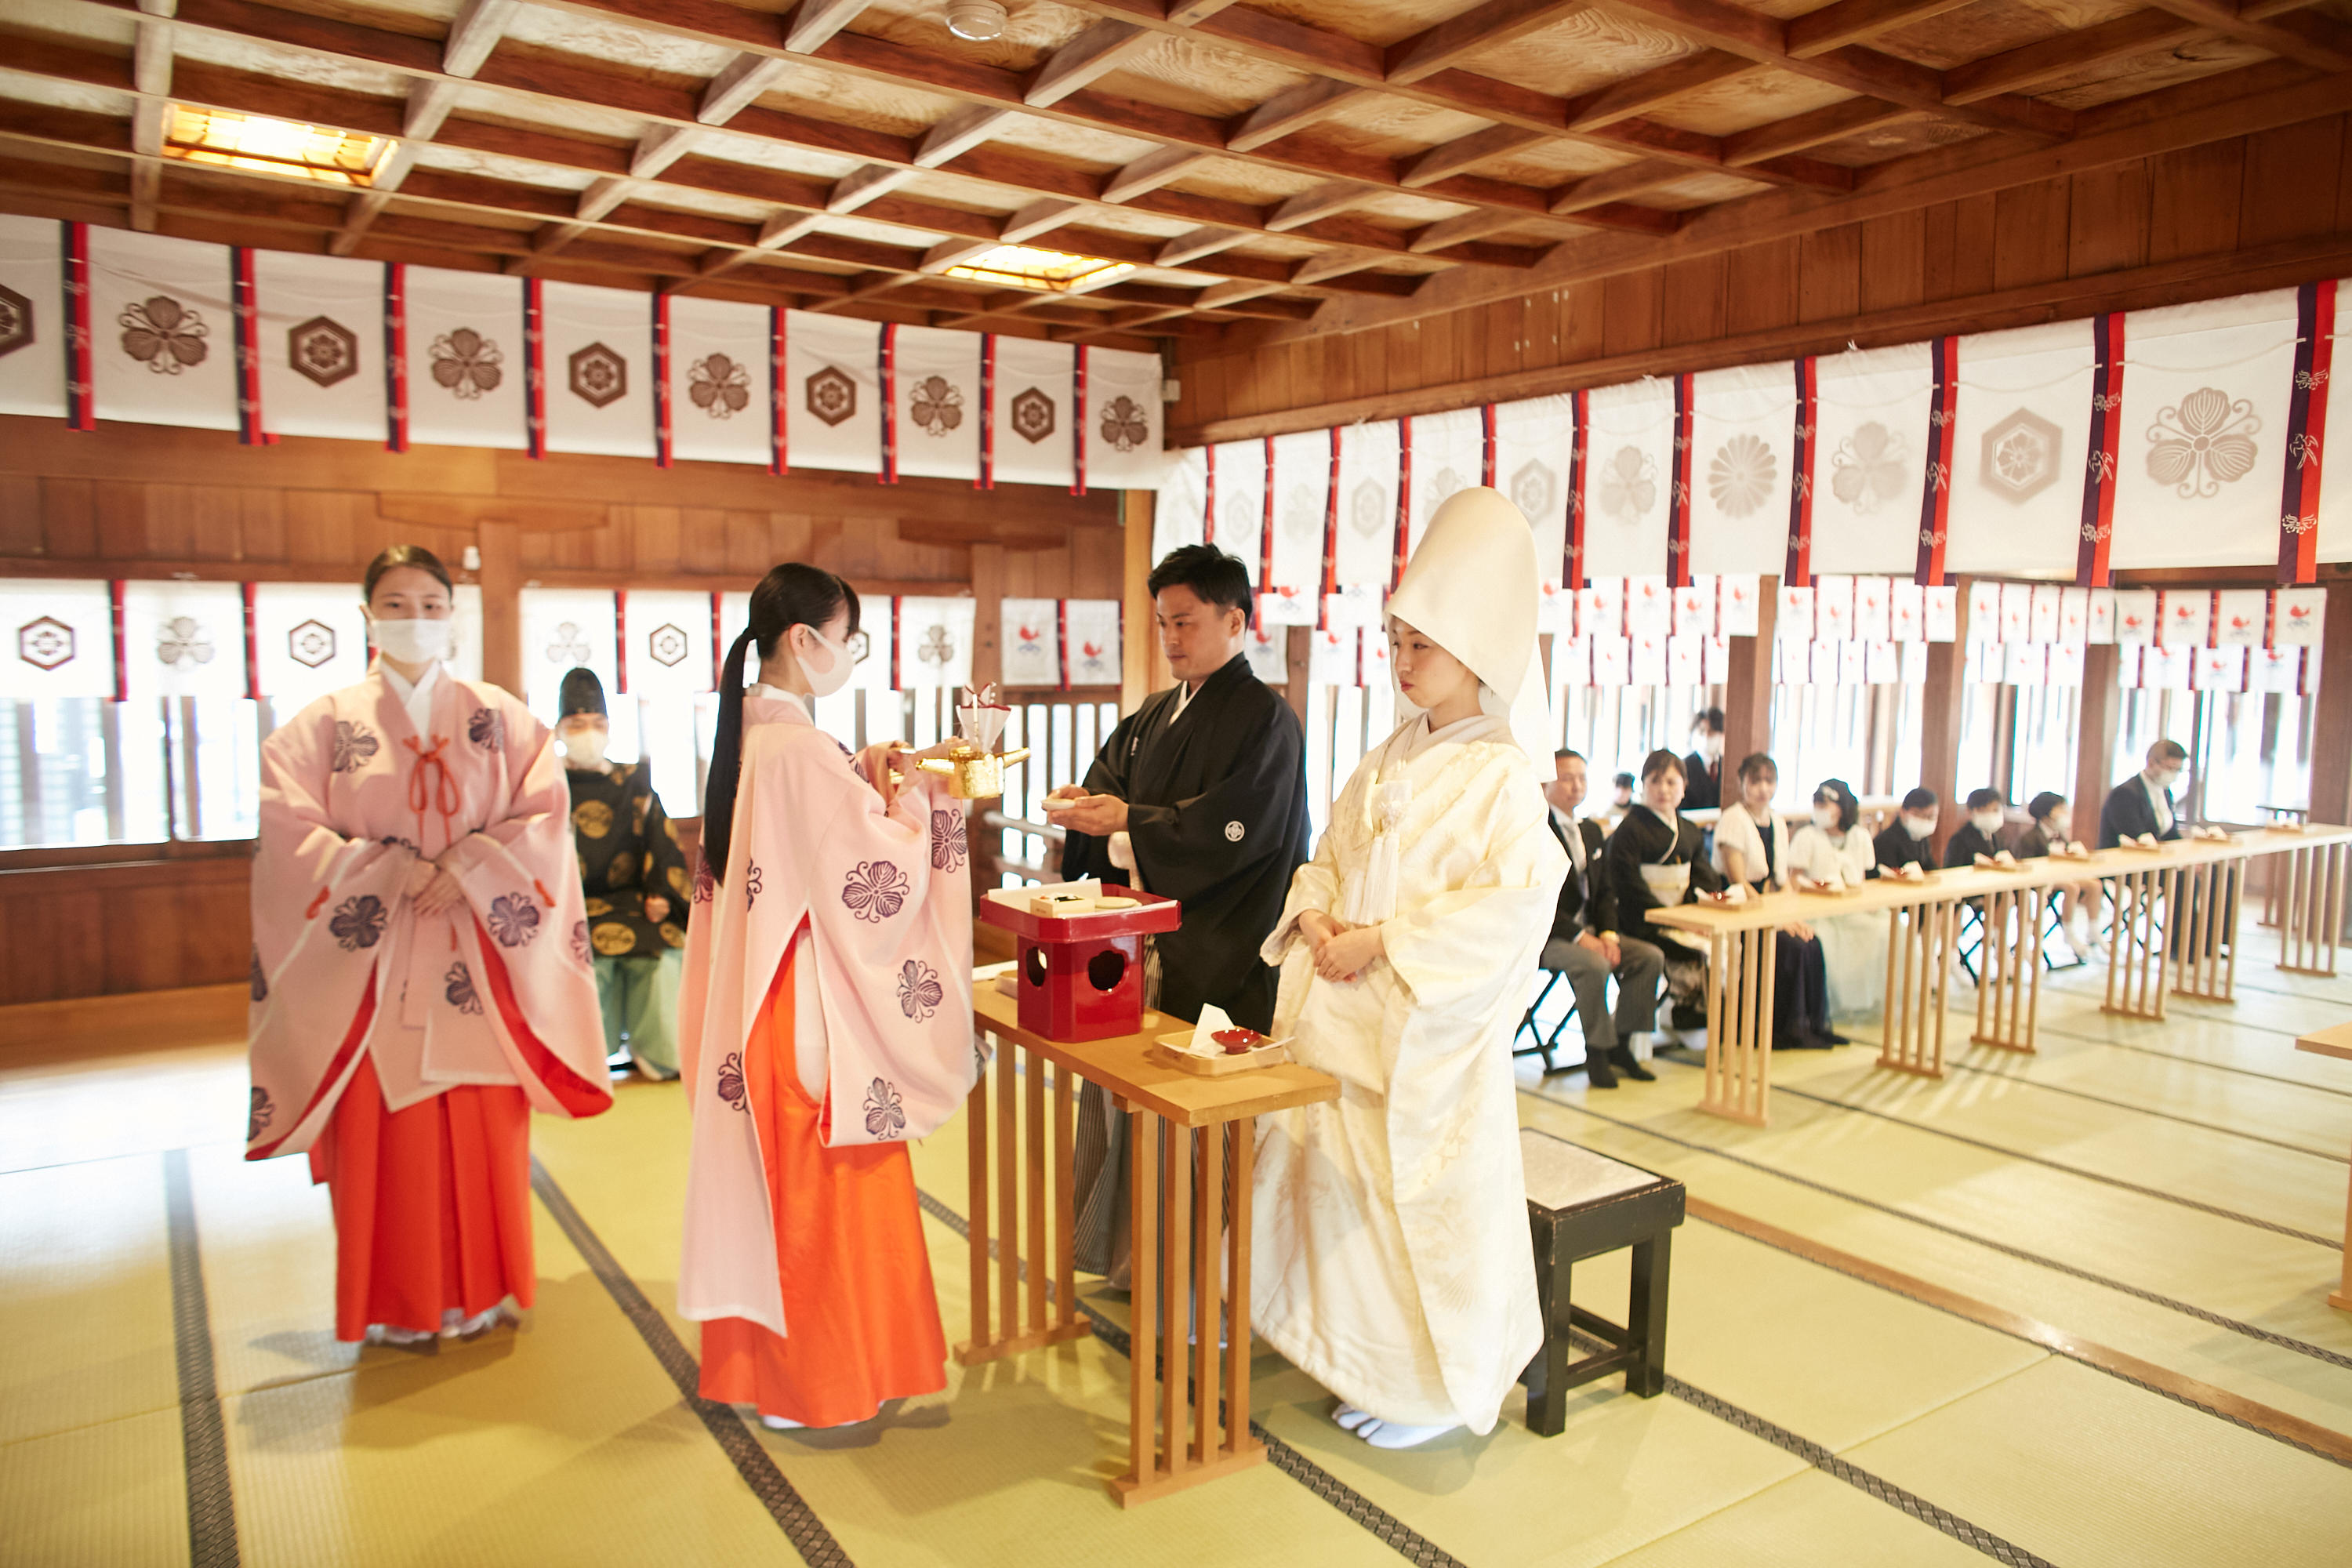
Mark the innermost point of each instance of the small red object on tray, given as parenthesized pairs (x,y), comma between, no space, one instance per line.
(1236,1041)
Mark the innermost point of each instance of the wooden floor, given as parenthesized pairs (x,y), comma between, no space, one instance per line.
(2068,1308)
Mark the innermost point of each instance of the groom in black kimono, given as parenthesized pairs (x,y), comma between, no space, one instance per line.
(1200,795)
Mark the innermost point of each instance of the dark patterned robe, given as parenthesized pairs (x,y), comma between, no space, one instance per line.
(627,848)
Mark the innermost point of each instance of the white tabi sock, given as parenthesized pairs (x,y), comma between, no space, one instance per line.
(1350,1418)
(779,1424)
(1396,1434)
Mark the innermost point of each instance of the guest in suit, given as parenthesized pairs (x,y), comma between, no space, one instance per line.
(1655,860)
(2143,803)
(1987,812)
(1903,841)
(1585,946)
(1705,764)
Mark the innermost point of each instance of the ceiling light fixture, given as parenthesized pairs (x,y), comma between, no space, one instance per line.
(978,20)
(1051,272)
(258,144)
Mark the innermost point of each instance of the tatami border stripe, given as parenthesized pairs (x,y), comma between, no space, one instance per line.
(212,1502)
(752,1462)
(1983,1071)
(2195,1061)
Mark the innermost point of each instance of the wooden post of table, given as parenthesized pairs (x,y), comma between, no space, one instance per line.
(2208,920)
(2336,1042)
(2311,919)
(1919,947)
(1015,1183)
(1739,1026)
(2135,951)
(2009,997)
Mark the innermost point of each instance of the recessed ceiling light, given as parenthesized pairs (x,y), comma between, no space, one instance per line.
(1028,267)
(976,19)
(262,145)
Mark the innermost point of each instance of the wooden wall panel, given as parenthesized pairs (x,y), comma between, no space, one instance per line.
(98,930)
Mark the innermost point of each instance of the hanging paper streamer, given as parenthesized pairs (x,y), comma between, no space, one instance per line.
(2185,617)
(2241,617)
(1907,612)
(1935,482)
(1612,660)
(832,413)
(2015,612)
(32,318)
(1793,621)
(1678,493)
(2101,615)
(1331,656)
(1833,608)
(564,629)
(2219,670)
(60,636)
(1269,650)
(1299,485)
(1364,543)
(938,403)
(320,334)
(2073,615)
(2296,616)
(2134,615)
(1032,413)
(1532,446)
(1628,475)
(1940,613)
(2333,536)
(1449,453)
(308,639)
(1874,609)
(1695,608)
(2275,670)
(183,640)
(1029,642)
(466,359)
(1871,427)
(598,353)
(162,335)
(1179,512)
(1798,570)
(720,384)
(1374,671)
(1572,664)
(1122,415)
(2202,456)
(1354,605)
(1743,450)
(1740,604)
(2018,448)
(669,643)
(2307,434)
(1236,502)
(934,643)
(1090,642)
(2042,604)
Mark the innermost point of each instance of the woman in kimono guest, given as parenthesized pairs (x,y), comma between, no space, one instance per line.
(1751,850)
(826,1019)
(420,970)
(1653,862)
(1391,1241)
(1834,850)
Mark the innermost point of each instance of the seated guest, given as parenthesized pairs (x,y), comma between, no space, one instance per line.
(1833,850)
(1653,862)
(1751,847)
(1585,945)
(1987,812)
(1621,802)
(1903,841)
(2053,825)
(2143,803)
(1704,766)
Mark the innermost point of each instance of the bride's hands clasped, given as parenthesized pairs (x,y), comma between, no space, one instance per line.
(1342,952)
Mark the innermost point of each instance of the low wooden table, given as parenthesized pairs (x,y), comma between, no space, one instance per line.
(1173,1435)
(2336,1042)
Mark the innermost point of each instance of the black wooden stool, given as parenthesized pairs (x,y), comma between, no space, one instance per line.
(1581,1204)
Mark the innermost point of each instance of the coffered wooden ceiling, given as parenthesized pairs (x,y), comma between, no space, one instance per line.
(1255,161)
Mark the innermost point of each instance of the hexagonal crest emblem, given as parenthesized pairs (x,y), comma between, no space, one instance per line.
(15,320)
(667,645)
(325,350)
(1532,489)
(599,376)
(1032,415)
(46,643)
(311,643)
(832,394)
(2021,457)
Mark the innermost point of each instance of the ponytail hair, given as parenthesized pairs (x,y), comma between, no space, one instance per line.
(792,595)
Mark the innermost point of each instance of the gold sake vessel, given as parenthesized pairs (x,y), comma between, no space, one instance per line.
(975,774)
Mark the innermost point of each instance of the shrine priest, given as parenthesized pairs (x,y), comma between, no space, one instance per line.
(1200,795)
(634,876)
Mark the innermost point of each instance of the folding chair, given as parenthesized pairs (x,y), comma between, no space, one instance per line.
(1529,1025)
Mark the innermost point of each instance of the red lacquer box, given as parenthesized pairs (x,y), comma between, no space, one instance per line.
(1081,975)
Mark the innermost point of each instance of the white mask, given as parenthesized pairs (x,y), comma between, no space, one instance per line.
(2057,825)
(1987,822)
(1825,817)
(1711,747)
(417,641)
(2167,779)
(1918,828)
(833,676)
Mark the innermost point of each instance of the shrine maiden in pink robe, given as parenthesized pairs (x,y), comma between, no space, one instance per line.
(840,930)
(356,994)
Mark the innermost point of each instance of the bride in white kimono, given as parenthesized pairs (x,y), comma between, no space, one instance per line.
(1392,1225)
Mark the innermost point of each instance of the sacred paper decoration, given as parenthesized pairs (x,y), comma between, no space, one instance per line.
(2296,614)
(2242,618)
(1572,664)
(937,377)
(1695,615)
(2200,465)
(1301,483)
(1364,544)
(2016,612)
(1555,610)
(669,643)
(2042,612)
(1373,671)
(833,403)
(1870,455)
(1123,420)
(2025,664)
(1268,651)
(1285,610)
(1940,613)
(163,342)
(2274,670)
(2219,670)
(1793,620)
(1685,660)
(320,331)
(1907,612)
(183,640)
(1531,452)
(2335,523)
(1649,607)
(1449,455)
(1612,660)
(1984,612)
(1718,660)
(934,643)
(1647,660)
(465,350)
(1090,642)
(308,639)
(719,380)
(59,637)
(2073,615)
(1031,413)
(874,645)
(1237,502)
(563,629)
(2184,617)
(1331,656)
(2018,448)
(1881,662)
(1743,450)
(1179,512)
(1029,642)
(2134,615)
(1834,607)
(1354,605)
(1821,664)
(1629,468)
(2066,664)
(599,358)
(1739,599)
(2101,615)
(32,324)
(1600,607)
(1874,619)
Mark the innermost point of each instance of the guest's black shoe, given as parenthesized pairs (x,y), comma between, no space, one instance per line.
(1597,1072)
(1798,1040)
(1830,1036)
(1622,1057)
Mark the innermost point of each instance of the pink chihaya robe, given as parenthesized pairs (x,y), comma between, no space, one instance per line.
(496,989)
(886,897)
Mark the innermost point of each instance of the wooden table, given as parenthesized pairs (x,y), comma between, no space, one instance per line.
(1176,1139)
(2336,1042)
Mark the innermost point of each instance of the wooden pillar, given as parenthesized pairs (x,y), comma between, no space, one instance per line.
(1940,721)
(988,614)
(1299,648)
(501,582)
(1142,668)
(2099,717)
(2331,744)
(1748,683)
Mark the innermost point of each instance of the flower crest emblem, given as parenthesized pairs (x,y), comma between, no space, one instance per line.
(459,989)
(719,385)
(514,920)
(488,729)
(164,334)
(919,991)
(1369,510)
(259,1113)
(1741,474)
(875,890)
(355,744)
(359,921)
(1124,424)
(183,643)
(730,1081)
(886,1114)
(2202,442)
(583,951)
(1629,486)
(1869,467)
(466,363)
(947,847)
(936,405)
(706,885)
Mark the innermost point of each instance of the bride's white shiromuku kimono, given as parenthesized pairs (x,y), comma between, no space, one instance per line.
(844,929)
(1393,1261)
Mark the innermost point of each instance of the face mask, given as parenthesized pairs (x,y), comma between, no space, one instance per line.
(1825,817)
(585,747)
(417,641)
(1988,822)
(2058,825)
(833,676)
(1917,826)
(2168,779)
(1711,747)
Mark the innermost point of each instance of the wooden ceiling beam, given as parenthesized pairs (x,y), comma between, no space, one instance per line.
(1465,152)
(2033,65)
(2316,41)
(1829,124)
(1833,27)
(1311,207)
(478,27)
(1480,28)
(1614,184)
(959,133)
(1097,51)
(1656,88)
(1454,231)
(1293,108)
